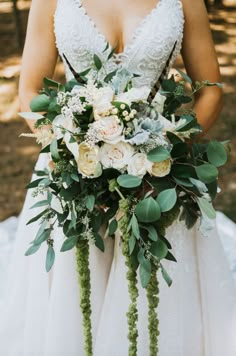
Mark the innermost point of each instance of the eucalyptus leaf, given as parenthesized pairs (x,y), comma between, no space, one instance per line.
(135,227)
(148,210)
(40,103)
(37,217)
(129,181)
(167,199)
(89,202)
(33,249)
(206,172)
(69,243)
(159,249)
(152,232)
(206,208)
(217,154)
(43,237)
(132,243)
(39,204)
(185,76)
(145,271)
(113,226)
(158,154)
(166,276)
(50,258)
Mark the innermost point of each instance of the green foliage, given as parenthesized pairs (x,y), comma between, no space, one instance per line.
(50,258)
(40,103)
(148,210)
(129,181)
(207,173)
(158,154)
(216,153)
(167,199)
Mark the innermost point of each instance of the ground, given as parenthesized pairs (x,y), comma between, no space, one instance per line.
(18,155)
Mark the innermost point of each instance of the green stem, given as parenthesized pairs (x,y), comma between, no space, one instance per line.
(153,302)
(82,259)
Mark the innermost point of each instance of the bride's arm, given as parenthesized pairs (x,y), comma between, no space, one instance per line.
(200,61)
(40,54)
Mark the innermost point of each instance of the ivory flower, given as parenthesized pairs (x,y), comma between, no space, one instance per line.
(116,156)
(134,95)
(102,99)
(111,129)
(161,169)
(61,123)
(139,165)
(87,161)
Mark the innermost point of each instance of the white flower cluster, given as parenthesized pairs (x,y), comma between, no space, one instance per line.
(119,137)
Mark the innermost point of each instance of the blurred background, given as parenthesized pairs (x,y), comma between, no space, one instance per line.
(18,155)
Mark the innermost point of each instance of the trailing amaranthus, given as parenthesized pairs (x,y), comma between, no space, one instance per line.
(132,314)
(82,260)
(153,301)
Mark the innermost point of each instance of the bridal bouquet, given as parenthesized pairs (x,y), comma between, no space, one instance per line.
(124,157)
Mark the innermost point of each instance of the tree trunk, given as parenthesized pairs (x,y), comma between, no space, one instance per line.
(17,24)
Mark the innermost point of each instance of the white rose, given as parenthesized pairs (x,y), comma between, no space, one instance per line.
(134,95)
(161,169)
(158,102)
(139,165)
(116,156)
(61,123)
(87,161)
(102,99)
(110,129)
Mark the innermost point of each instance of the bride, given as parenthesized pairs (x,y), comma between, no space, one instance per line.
(41,315)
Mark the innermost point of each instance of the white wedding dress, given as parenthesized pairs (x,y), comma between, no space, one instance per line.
(41,313)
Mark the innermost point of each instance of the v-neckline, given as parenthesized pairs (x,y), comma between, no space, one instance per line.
(128,46)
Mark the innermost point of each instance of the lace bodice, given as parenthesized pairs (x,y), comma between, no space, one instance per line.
(153,40)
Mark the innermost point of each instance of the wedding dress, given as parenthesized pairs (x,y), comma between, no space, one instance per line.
(41,314)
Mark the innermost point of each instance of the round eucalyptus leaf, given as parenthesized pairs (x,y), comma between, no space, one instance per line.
(216,153)
(40,103)
(159,249)
(167,199)
(129,181)
(158,154)
(148,210)
(207,173)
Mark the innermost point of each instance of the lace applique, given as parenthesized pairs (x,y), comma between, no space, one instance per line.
(78,37)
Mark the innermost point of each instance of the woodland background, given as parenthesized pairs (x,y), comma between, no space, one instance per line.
(18,155)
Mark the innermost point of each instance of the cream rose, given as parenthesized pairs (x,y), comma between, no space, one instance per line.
(139,165)
(87,161)
(102,99)
(110,129)
(116,156)
(161,169)
(134,95)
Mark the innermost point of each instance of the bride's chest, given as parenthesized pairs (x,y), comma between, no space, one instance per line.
(145,51)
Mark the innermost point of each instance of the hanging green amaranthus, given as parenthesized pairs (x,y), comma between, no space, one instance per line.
(131,275)
(153,302)
(82,260)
